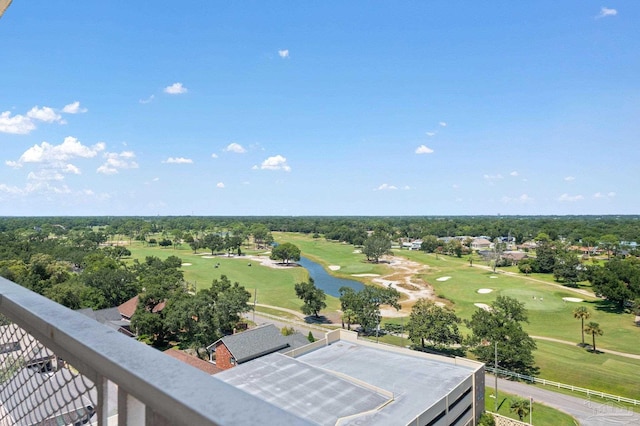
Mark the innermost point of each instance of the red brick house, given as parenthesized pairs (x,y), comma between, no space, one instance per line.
(235,349)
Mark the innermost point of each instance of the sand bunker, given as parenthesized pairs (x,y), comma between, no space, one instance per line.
(484,290)
(493,276)
(357,251)
(208,256)
(443,278)
(483,306)
(334,267)
(186,264)
(572,299)
(365,275)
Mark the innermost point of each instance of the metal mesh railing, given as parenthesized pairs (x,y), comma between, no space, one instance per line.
(37,387)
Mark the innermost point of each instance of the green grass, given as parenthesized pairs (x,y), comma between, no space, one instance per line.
(330,253)
(542,414)
(574,365)
(548,314)
(274,286)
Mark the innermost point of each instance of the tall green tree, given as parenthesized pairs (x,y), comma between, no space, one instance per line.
(366,303)
(433,323)
(501,325)
(376,246)
(285,252)
(429,243)
(581,313)
(313,297)
(593,328)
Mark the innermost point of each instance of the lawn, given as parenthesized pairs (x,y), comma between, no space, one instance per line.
(542,414)
(549,314)
(274,286)
(573,365)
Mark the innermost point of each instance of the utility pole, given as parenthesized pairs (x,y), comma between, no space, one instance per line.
(255,300)
(495,405)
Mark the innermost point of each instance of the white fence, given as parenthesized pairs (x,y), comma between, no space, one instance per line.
(588,392)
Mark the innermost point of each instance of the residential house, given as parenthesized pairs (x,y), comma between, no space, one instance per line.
(481,244)
(235,349)
(194,361)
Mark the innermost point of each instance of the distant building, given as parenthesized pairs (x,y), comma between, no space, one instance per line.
(481,244)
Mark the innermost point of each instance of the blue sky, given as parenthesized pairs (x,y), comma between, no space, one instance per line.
(320,108)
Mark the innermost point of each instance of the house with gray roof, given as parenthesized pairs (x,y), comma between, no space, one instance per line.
(235,349)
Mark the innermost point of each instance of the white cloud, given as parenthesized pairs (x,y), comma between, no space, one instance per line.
(74,108)
(442,124)
(455,186)
(17,125)
(114,162)
(23,124)
(10,189)
(178,160)
(600,195)
(46,114)
(423,149)
(283,53)
(175,89)
(277,162)
(235,147)
(569,178)
(522,199)
(47,153)
(430,134)
(220,185)
(513,173)
(570,198)
(605,11)
(406,187)
(492,178)
(45,175)
(214,155)
(386,187)
(146,101)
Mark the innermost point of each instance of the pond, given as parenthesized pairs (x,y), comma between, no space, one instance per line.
(326,282)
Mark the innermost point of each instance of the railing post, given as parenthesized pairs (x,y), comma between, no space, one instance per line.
(102,386)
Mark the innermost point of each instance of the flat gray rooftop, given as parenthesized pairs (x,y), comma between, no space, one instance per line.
(301,389)
(347,378)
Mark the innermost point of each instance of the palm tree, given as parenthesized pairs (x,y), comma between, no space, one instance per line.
(593,328)
(581,313)
(520,407)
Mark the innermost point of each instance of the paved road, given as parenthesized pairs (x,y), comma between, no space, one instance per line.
(588,413)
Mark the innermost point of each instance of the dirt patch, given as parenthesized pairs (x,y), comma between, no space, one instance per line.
(404,278)
(483,306)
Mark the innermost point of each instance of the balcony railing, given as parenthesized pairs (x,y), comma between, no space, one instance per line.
(61,367)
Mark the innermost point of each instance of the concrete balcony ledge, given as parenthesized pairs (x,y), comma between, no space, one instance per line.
(152,388)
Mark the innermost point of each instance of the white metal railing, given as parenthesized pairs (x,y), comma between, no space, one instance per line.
(588,392)
(126,381)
